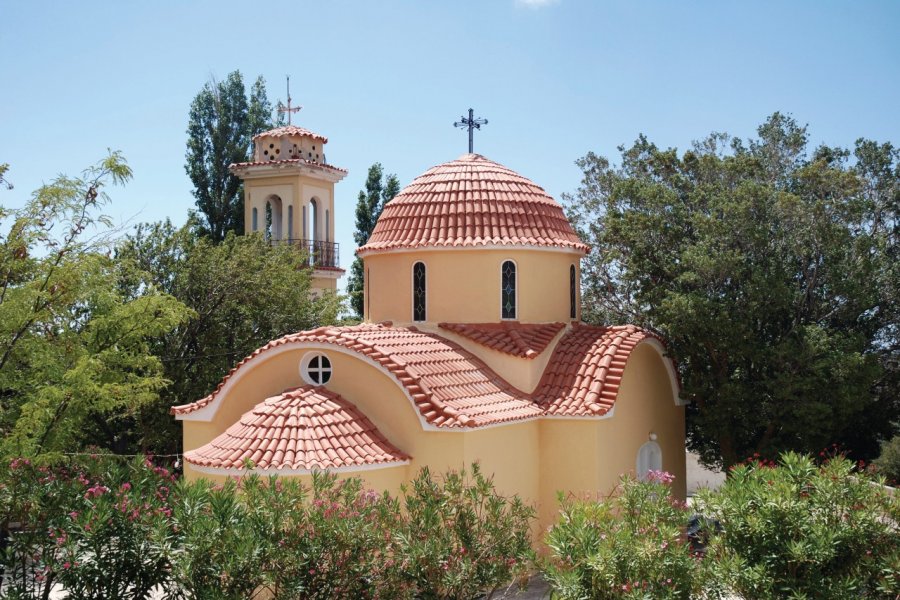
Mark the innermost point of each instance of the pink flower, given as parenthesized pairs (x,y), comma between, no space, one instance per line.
(66,565)
(662,477)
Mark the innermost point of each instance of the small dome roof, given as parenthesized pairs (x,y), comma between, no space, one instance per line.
(289,130)
(302,429)
(469,202)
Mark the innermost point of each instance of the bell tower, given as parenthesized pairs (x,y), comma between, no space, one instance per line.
(289,195)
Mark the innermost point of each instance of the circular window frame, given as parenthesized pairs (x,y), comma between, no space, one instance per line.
(326,370)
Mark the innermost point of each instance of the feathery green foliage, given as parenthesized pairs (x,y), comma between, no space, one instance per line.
(74,348)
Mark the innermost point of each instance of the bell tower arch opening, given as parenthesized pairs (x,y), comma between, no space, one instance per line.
(274,220)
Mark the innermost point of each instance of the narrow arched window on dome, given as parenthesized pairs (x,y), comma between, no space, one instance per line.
(573,291)
(419,291)
(508,290)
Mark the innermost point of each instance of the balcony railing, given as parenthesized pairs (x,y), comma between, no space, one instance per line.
(321,254)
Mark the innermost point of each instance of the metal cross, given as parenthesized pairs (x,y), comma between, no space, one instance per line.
(471,123)
(288,109)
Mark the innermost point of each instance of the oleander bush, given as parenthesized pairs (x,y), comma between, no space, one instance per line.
(795,529)
(103,528)
(461,539)
(630,544)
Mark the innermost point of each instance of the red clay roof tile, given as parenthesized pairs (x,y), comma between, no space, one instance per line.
(299,429)
(287,130)
(290,161)
(472,201)
(584,373)
(452,388)
(518,339)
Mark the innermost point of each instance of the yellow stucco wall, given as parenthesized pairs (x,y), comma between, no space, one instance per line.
(587,457)
(533,459)
(463,286)
(294,190)
(298,192)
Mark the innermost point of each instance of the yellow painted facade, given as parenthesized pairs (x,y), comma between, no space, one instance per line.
(535,458)
(464,285)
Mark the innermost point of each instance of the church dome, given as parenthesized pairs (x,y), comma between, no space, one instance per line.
(472,202)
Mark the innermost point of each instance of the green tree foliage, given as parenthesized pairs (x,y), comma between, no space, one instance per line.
(74,348)
(379,191)
(243,292)
(771,270)
(221,124)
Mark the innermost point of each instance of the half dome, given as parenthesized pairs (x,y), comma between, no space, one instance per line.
(472,202)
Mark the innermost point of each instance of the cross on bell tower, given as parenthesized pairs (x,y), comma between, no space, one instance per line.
(472,124)
(288,109)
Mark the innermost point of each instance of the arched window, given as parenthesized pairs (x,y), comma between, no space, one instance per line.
(290,222)
(508,290)
(327,223)
(573,290)
(649,458)
(419,291)
(273,218)
(255,219)
(314,220)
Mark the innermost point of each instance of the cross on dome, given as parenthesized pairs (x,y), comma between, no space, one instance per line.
(471,123)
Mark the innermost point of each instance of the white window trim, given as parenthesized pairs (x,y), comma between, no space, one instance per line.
(304,368)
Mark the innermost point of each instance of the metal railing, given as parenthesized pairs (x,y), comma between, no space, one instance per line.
(321,254)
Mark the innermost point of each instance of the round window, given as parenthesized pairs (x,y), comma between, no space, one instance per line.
(315,369)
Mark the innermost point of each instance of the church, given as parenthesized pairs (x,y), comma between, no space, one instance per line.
(471,349)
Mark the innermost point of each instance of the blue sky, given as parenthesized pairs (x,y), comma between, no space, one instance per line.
(385,80)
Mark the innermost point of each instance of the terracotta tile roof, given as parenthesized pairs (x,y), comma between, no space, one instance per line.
(518,339)
(472,201)
(304,428)
(450,386)
(584,373)
(290,161)
(291,130)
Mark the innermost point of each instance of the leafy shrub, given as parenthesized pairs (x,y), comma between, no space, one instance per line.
(798,530)
(217,554)
(97,527)
(103,529)
(33,501)
(334,540)
(888,464)
(118,538)
(460,538)
(630,544)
